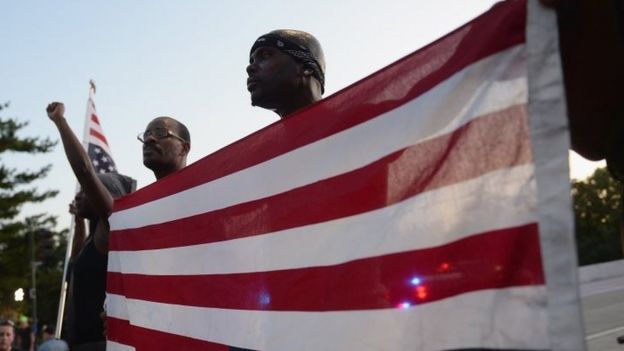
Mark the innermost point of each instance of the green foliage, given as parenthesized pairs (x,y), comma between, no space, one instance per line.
(16,189)
(598,212)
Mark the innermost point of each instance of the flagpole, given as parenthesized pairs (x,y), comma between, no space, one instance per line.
(70,240)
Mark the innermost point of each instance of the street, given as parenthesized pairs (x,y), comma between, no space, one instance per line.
(603,312)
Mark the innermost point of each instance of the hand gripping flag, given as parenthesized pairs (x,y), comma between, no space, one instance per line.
(95,142)
(426,207)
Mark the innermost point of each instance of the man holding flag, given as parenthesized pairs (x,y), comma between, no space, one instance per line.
(284,81)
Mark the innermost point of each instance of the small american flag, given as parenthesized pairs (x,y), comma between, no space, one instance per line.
(95,142)
(426,207)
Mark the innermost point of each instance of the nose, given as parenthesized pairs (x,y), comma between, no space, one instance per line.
(251,69)
(150,138)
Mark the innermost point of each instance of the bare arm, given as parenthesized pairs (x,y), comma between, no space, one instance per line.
(79,232)
(97,194)
(100,237)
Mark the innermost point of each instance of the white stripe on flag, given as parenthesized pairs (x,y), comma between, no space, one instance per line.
(516,318)
(550,141)
(90,125)
(95,126)
(454,212)
(486,86)
(116,306)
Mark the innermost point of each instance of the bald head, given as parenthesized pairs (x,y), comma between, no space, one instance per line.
(303,47)
(305,40)
(166,144)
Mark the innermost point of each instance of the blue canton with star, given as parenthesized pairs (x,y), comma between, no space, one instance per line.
(102,162)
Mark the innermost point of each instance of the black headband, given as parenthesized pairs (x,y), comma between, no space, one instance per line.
(299,52)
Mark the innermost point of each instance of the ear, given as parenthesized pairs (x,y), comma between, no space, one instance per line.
(186,148)
(303,71)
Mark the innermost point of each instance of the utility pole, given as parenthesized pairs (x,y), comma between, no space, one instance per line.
(33,289)
(622,216)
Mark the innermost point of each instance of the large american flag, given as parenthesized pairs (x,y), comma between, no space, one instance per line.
(425,207)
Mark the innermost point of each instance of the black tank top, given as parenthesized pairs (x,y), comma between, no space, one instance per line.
(88,292)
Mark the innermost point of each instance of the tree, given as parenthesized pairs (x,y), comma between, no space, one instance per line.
(15,191)
(598,214)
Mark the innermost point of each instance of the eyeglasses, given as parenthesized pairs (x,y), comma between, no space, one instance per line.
(158,133)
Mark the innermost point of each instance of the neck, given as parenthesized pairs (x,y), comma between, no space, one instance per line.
(303,101)
(161,173)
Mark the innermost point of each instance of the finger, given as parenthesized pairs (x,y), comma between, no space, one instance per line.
(51,107)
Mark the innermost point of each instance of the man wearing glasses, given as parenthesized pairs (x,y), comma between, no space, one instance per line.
(166,143)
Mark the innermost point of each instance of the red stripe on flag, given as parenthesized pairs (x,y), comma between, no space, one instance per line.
(95,119)
(387,89)
(98,135)
(489,143)
(492,260)
(143,339)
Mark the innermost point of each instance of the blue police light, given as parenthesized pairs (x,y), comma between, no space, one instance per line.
(415,281)
(264,298)
(405,305)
